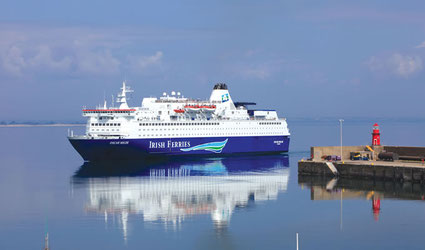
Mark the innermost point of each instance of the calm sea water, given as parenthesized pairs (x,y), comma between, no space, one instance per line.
(250,202)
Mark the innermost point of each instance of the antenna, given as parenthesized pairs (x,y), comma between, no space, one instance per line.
(113,104)
(46,239)
(46,242)
(122,97)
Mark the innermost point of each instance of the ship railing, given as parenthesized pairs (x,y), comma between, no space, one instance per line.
(183,100)
(85,137)
(266,119)
(78,136)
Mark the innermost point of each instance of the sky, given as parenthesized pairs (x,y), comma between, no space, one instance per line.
(307,59)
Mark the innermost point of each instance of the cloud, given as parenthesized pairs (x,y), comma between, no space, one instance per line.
(140,63)
(258,70)
(27,50)
(422,45)
(13,61)
(398,64)
(360,12)
(43,58)
(102,62)
(406,65)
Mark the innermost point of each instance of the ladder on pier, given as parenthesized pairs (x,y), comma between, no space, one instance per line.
(332,167)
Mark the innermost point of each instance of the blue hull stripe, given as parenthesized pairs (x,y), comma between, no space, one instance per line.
(102,149)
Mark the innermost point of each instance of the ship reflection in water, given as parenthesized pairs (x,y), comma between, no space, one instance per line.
(325,188)
(172,191)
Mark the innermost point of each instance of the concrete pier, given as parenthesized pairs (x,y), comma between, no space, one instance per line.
(366,169)
(411,171)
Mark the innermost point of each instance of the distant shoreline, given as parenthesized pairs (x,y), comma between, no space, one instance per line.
(41,125)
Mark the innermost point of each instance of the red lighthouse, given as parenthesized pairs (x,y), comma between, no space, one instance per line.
(376,135)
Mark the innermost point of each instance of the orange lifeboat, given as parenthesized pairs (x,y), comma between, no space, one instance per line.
(208,108)
(192,108)
(179,111)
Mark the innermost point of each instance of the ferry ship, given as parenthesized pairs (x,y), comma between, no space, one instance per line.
(175,125)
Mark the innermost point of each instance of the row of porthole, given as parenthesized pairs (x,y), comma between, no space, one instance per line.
(180,124)
(147,135)
(106,124)
(107,130)
(270,123)
(199,129)
(199,124)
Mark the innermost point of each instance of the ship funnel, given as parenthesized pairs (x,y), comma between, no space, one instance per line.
(221,96)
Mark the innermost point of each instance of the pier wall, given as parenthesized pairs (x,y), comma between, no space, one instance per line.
(368,170)
(408,153)
(318,152)
(414,153)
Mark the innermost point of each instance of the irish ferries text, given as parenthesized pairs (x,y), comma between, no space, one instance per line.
(169,144)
